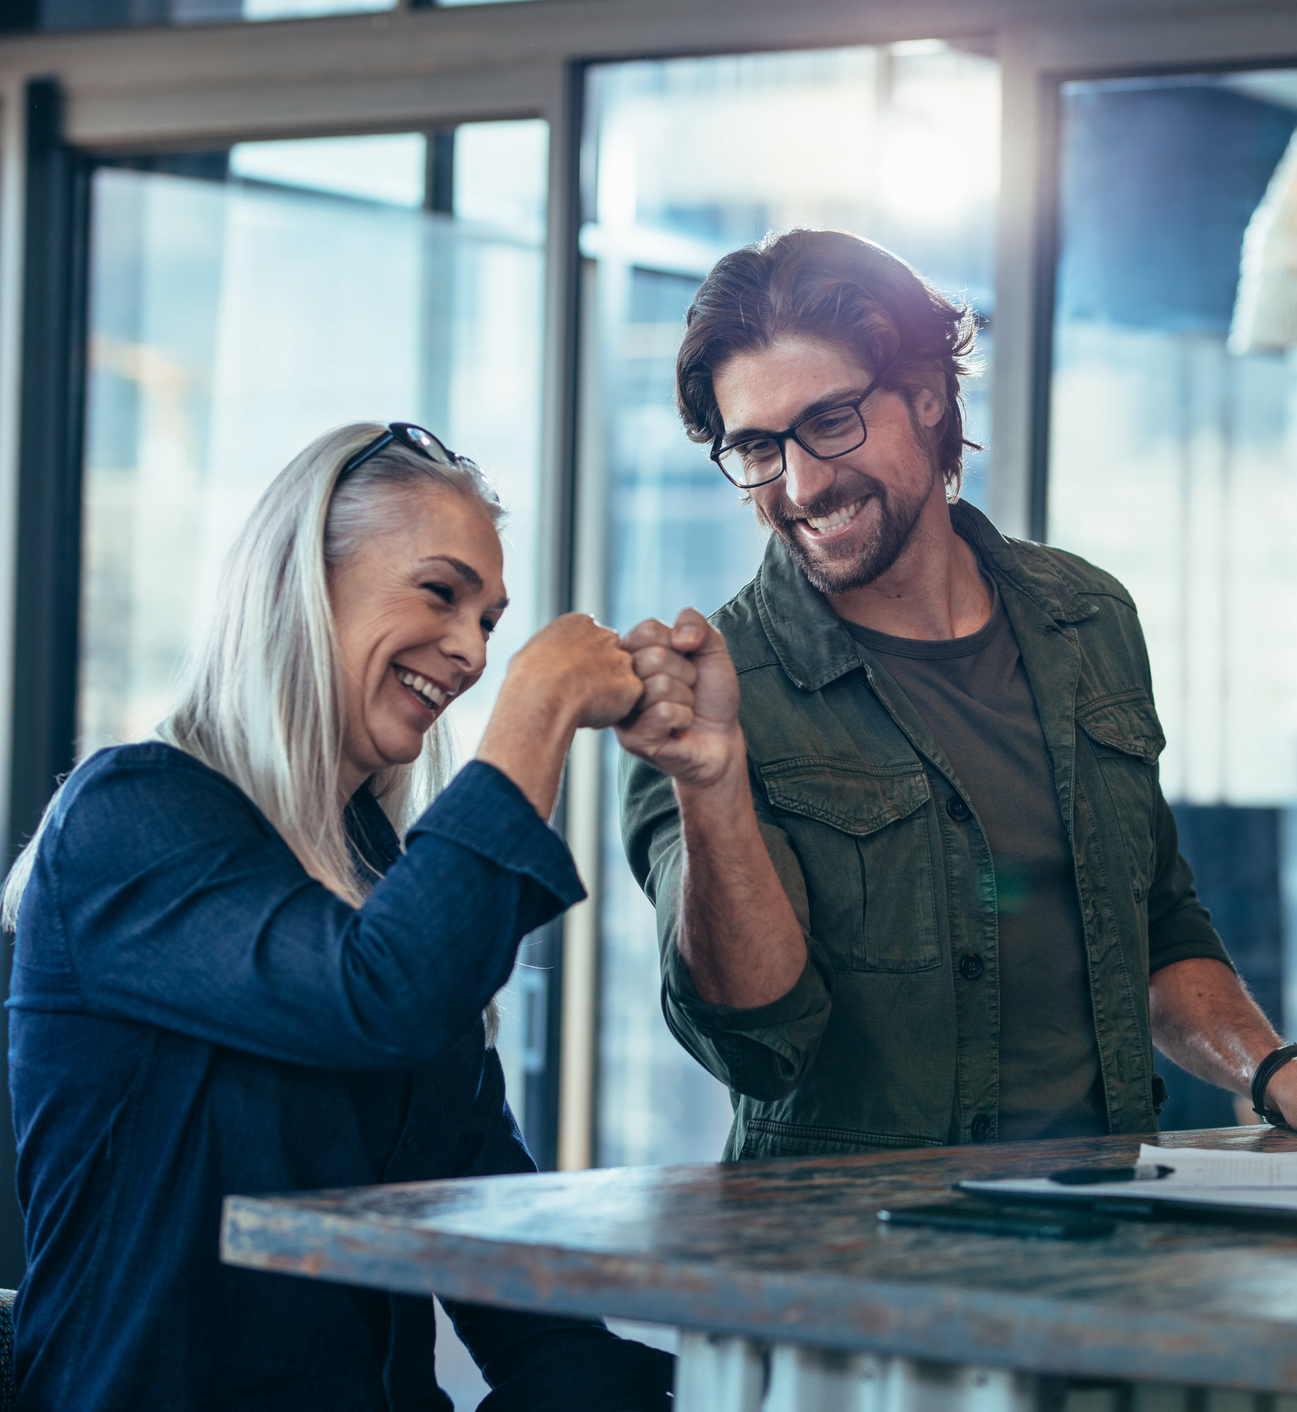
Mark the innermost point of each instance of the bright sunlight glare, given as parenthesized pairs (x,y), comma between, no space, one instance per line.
(933,171)
(937,148)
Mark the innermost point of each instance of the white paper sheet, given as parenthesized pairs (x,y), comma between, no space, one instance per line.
(1260,1180)
(1263,1199)
(1212,1167)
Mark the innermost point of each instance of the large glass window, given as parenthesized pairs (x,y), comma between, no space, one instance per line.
(1173,461)
(240,304)
(243,302)
(687,159)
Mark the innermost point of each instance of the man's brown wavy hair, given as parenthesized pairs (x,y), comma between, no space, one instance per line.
(833,286)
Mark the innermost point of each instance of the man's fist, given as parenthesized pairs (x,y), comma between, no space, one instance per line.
(686,720)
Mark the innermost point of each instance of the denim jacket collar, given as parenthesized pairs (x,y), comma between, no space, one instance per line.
(374,844)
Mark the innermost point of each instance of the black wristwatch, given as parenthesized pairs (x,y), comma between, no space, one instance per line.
(1265,1071)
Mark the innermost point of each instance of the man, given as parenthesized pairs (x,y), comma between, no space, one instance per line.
(898,810)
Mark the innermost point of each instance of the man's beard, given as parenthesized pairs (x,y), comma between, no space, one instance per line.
(838,567)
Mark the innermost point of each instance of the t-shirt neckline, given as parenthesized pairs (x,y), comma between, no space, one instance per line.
(923,649)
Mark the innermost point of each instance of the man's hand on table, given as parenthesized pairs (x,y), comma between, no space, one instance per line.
(1282,1092)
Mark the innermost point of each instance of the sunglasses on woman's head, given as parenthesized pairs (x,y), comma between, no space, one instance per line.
(414,438)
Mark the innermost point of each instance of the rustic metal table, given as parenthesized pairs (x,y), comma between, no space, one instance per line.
(791,1298)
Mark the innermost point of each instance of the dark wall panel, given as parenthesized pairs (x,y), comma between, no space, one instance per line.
(1235,855)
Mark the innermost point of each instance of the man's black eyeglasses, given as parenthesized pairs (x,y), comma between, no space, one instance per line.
(760,458)
(414,438)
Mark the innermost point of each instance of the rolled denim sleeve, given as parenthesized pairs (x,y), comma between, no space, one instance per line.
(178,905)
(1179,926)
(763,1053)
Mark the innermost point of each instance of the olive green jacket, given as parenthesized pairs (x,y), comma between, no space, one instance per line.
(882,1043)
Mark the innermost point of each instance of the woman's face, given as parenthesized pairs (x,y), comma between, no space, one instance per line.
(413,608)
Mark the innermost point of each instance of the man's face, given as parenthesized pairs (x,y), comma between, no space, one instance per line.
(848,520)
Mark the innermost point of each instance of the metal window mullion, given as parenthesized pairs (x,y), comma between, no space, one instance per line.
(1044,278)
(42,344)
(1015,393)
(577,539)
(48,558)
(572,995)
(13,180)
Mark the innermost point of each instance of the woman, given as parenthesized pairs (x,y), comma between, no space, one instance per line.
(229,977)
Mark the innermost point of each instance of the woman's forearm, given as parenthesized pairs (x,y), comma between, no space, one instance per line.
(572,673)
(262,958)
(739,937)
(527,738)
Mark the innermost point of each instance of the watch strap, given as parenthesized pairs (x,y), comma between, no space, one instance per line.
(1265,1071)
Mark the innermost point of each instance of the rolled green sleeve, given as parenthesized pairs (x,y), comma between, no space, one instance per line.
(763,1053)
(1179,926)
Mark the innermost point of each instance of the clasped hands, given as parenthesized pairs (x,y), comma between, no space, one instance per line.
(686,719)
(670,692)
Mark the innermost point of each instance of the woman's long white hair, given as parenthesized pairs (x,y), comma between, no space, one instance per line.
(261,695)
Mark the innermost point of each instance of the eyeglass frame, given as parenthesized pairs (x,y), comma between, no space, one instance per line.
(400,432)
(783,437)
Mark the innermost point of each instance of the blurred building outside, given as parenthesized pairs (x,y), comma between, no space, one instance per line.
(1173,465)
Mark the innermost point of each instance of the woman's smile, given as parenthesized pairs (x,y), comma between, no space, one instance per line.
(427,694)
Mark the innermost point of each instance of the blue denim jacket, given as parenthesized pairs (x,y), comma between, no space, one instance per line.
(192,1015)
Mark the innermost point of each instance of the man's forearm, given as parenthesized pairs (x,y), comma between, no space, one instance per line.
(739,935)
(1204,1020)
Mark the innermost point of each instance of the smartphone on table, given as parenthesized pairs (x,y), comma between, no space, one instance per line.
(985,1219)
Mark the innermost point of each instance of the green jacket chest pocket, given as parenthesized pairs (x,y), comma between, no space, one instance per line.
(1126,739)
(864,841)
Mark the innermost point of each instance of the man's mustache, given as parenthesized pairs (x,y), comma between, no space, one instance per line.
(845,490)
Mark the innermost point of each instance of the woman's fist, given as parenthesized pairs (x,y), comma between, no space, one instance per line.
(579,668)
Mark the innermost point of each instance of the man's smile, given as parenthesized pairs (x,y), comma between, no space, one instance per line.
(835,524)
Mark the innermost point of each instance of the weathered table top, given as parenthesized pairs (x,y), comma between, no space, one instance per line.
(791,1251)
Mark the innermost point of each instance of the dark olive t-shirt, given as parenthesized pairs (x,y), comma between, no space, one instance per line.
(974,696)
